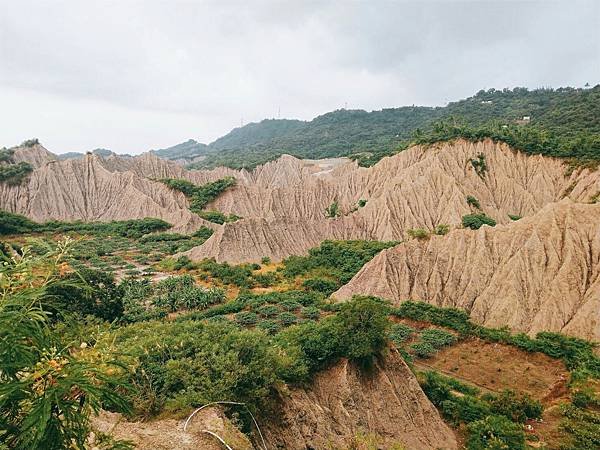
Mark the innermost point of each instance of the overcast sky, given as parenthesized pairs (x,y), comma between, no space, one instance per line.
(134,75)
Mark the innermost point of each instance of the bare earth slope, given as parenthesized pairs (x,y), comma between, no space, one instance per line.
(341,403)
(36,155)
(539,273)
(83,189)
(344,401)
(418,188)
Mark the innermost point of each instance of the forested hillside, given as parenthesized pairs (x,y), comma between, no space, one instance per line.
(567,115)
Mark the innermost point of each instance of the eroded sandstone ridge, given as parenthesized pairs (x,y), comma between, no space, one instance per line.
(85,189)
(344,402)
(283,202)
(541,273)
(421,187)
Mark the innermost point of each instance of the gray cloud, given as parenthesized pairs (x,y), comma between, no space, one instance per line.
(132,75)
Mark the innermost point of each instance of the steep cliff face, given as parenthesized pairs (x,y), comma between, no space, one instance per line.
(539,273)
(345,401)
(418,188)
(251,239)
(36,155)
(83,189)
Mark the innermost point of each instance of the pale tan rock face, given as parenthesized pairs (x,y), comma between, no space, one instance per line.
(418,188)
(83,189)
(345,401)
(36,155)
(541,273)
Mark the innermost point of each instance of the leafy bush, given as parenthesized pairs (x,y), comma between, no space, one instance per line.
(479,165)
(311,312)
(48,390)
(357,332)
(582,426)
(265,260)
(240,275)
(339,259)
(88,292)
(472,201)
(183,364)
(465,409)
(400,333)
(418,233)
(437,338)
(269,326)
(422,349)
(200,196)
(13,174)
(218,217)
(514,217)
(268,310)
(203,233)
(517,407)
(266,279)
(441,229)
(323,285)
(179,293)
(14,223)
(476,221)
(246,318)
(287,318)
(332,210)
(495,432)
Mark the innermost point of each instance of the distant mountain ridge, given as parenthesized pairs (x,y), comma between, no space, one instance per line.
(104,152)
(567,118)
(569,114)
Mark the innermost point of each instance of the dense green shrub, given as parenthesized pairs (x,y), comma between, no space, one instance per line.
(218,217)
(269,326)
(339,259)
(88,292)
(246,318)
(319,284)
(577,354)
(200,196)
(441,229)
(14,223)
(287,318)
(514,217)
(422,349)
(203,233)
(181,293)
(418,233)
(517,407)
(357,332)
(465,409)
(268,310)
(582,426)
(472,201)
(437,338)
(495,432)
(310,312)
(332,210)
(184,364)
(476,221)
(266,279)
(480,166)
(400,333)
(240,275)
(13,174)
(48,391)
